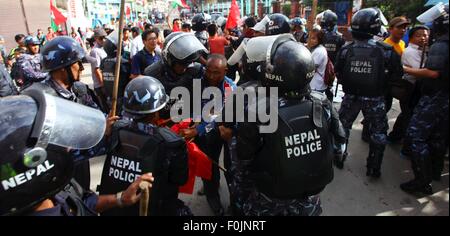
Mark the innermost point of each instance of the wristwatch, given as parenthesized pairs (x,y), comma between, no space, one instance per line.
(119,199)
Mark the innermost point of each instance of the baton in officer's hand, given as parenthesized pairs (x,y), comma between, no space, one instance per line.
(143,203)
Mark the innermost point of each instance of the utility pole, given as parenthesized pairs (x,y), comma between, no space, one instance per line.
(312,17)
(25,17)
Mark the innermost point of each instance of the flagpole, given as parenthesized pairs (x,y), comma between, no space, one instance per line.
(118,61)
(25,17)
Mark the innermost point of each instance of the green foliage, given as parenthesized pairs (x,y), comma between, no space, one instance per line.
(393,8)
(286,9)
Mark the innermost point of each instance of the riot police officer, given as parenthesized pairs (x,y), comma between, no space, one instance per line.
(280,173)
(199,24)
(62,58)
(30,63)
(36,167)
(108,67)
(138,145)
(298,30)
(178,67)
(278,24)
(428,130)
(333,41)
(364,68)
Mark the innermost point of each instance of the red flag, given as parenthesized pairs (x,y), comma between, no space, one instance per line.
(185,5)
(199,163)
(128,11)
(57,16)
(234,16)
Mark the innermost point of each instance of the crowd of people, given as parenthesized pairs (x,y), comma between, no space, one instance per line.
(278,173)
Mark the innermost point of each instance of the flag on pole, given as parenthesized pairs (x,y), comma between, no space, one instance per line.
(179,3)
(57,18)
(234,16)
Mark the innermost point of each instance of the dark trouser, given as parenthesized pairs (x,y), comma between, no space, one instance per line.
(388,99)
(426,135)
(101,96)
(214,148)
(82,174)
(374,113)
(407,107)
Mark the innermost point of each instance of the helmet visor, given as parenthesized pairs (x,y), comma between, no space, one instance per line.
(182,49)
(432,14)
(66,124)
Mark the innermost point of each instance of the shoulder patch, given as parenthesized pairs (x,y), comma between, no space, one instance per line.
(169,136)
(385,45)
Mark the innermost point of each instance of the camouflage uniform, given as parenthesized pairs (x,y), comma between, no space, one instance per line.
(30,66)
(264,206)
(427,130)
(374,112)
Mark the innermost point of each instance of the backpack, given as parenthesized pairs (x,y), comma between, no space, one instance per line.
(330,74)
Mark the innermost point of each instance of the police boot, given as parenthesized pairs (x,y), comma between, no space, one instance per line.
(215,205)
(422,180)
(375,160)
(365,136)
(339,159)
(437,167)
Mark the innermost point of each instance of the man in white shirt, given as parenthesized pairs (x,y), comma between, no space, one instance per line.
(96,56)
(136,44)
(414,56)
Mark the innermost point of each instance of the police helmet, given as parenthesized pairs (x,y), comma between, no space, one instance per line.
(199,22)
(297,21)
(36,131)
(144,95)
(440,25)
(329,20)
(61,52)
(182,48)
(32,40)
(289,67)
(366,23)
(278,24)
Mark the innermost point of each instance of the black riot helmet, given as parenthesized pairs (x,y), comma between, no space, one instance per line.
(278,24)
(36,131)
(144,95)
(440,25)
(61,52)
(199,22)
(182,48)
(289,67)
(366,23)
(329,20)
(110,47)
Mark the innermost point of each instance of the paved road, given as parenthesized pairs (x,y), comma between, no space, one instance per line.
(351,192)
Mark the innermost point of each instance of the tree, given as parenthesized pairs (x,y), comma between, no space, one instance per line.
(393,8)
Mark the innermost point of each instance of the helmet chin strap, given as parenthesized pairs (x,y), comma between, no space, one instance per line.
(70,75)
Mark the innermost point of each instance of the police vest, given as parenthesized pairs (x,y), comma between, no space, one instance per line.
(108,72)
(296,160)
(333,43)
(133,155)
(364,71)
